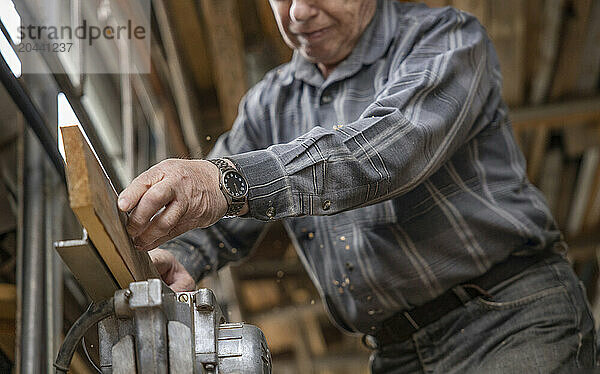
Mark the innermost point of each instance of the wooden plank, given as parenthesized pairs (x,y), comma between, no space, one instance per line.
(94,201)
(549,42)
(7,338)
(222,24)
(571,49)
(579,137)
(505,23)
(80,256)
(507,30)
(549,181)
(533,31)
(565,194)
(8,308)
(585,179)
(589,68)
(592,214)
(192,41)
(557,115)
(158,82)
(183,94)
(537,153)
(8,301)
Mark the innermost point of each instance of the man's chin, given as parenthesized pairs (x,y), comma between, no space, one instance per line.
(315,56)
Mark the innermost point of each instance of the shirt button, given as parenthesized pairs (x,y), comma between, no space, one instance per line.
(326,205)
(270,212)
(326,99)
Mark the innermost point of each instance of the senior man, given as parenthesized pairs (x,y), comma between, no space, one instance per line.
(387,140)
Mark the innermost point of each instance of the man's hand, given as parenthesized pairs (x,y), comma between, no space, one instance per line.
(188,190)
(171,271)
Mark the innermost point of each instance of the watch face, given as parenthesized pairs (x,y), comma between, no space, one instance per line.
(235,184)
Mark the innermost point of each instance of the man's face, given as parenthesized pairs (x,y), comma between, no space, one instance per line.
(323,31)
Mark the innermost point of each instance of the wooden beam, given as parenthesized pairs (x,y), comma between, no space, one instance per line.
(580,137)
(8,307)
(94,201)
(589,69)
(571,49)
(583,247)
(549,42)
(184,95)
(592,214)
(549,182)
(507,31)
(583,185)
(565,192)
(158,80)
(192,43)
(533,32)
(537,152)
(557,115)
(222,24)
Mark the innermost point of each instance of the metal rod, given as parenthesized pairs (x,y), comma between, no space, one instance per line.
(54,204)
(32,264)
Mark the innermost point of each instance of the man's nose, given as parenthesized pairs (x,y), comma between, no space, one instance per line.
(302,10)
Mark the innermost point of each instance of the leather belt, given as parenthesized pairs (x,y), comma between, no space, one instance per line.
(402,325)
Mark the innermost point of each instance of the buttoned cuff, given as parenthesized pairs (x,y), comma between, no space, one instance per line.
(270,194)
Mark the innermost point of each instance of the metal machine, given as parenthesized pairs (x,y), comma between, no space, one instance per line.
(148,328)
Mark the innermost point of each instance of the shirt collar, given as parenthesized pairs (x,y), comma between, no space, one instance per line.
(372,45)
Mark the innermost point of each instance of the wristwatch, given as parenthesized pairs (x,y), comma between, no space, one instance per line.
(233,185)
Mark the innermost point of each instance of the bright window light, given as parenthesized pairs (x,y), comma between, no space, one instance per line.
(66,117)
(9,55)
(11,20)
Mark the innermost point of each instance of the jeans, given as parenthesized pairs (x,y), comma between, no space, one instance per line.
(537,322)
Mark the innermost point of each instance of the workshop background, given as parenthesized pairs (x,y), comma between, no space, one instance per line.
(205,55)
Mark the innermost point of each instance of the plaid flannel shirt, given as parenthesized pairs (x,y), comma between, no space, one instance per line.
(396,177)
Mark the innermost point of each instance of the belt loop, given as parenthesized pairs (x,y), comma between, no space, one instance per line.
(411,320)
(462,295)
(486,295)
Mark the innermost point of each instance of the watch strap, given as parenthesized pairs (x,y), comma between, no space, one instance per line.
(234,205)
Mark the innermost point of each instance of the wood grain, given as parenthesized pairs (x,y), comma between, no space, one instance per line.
(8,307)
(94,201)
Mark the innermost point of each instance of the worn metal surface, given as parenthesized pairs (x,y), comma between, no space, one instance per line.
(179,333)
(31,262)
(124,356)
(243,349)
(180,348)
